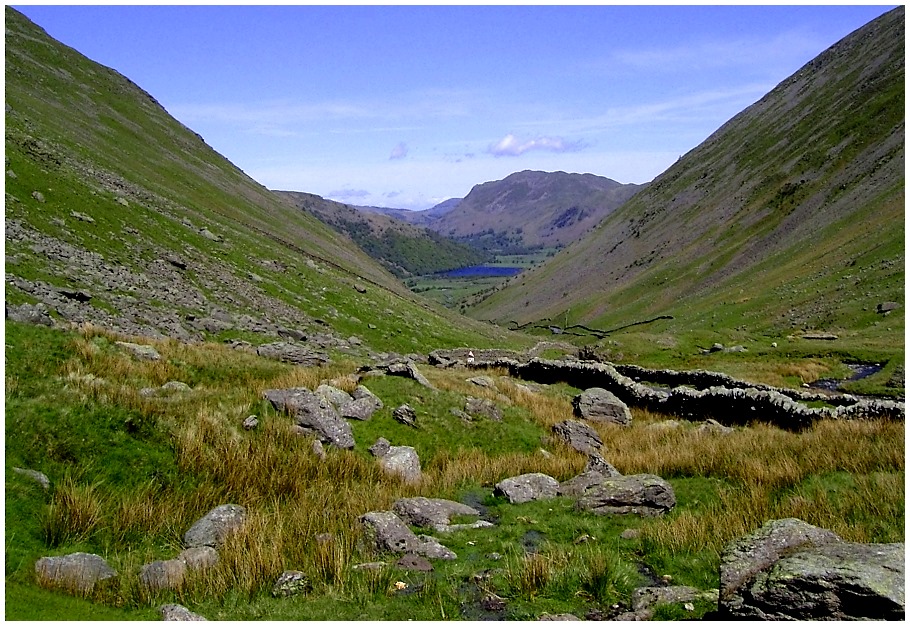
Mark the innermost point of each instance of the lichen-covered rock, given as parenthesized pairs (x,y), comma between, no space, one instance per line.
(177,613)
(314,414)
(386,532)
(213,528)
(599,405)
(402,461)
(527,487)
(291,583)
(639,494)
(432,513)
(77,572)
(790,570)
(406,415)
(578,436)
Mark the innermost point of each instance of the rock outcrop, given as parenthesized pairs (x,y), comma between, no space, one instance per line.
(639,494)
(313,414)
(791,570)
(214,527)
(78,572)
(599,405)
(527,487)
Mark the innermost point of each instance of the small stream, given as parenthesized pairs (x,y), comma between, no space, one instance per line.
(860,371)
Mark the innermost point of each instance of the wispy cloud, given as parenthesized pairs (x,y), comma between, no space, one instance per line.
(399,152)
(344,195)
(510,145)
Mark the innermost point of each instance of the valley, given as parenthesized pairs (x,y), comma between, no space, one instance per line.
(229,402)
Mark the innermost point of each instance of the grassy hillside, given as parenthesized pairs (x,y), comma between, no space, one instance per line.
(150,231)
(788,220)
(404,249)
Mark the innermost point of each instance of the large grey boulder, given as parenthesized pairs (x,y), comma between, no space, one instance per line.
(402,461)
(434,513)
(791,570)
(578,435)
(409,370)
(214,527)
(386,532)
(30,314)
(362,405)
(77,572)
(313,414)
(639,494)
(599,405)
(140,351)
(527,487)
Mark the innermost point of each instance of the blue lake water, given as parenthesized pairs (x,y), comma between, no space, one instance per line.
(477,271)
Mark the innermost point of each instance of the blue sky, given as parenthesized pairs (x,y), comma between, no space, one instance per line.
(406,106)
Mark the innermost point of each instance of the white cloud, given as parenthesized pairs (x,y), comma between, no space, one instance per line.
(399,152)
(510,145)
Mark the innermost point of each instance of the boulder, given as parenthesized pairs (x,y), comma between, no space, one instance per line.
(527,487)
(314,414)
(291,583)
(791,570)
(34,475)
(213,528)
(409,370)
(381,447)
(76,572)
(432,513)
(386,532)
(361,409)
(579,484)
(140,351)
(483,381)
(402,461)
(599,464)
(199,557)
(292,353)
(599,405)
(479,407)
(250,422)
(177,613)
(162,575)
(406,415)
(578,436)
(713,427)
(30,314)
(640,494)
(337,397)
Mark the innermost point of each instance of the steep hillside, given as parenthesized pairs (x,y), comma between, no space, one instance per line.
(119,215)
(533,210)
(404,249)
(789,218)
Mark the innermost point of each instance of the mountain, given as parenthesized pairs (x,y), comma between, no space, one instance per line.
(528,210)
(120,216)
(404,249)
(418,218)
(790,217)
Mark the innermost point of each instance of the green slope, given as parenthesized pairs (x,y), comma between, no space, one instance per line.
(789,218)
(103,187)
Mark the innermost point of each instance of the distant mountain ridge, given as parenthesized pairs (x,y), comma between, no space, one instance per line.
(790,216)
(532,209)
(405,249)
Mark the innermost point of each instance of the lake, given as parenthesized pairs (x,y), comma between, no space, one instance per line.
(478,271)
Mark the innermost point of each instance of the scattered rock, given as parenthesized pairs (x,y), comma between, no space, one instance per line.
(640,494)
(791,570)
(291,583)
(250,422)
(599,405)
(162,575)
(483,381)
(381,447)
(409,370)
(140,351)
(887,307)
(30,314)
(313,414)
(576,486)
(82,217)
(386,532)
(337,397)
(318,450)
(578,436)
(432,513)
(527,487)
(414,563)
(401,461)
(559,617)
(359,288)
(37,195)
(34,475)
(362,405)
(597,463)
(292,353)
(406,415)
(177,613)
(175,386)
(713,427)
(213,528)
(479,407)
(199,557)
(77,572)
